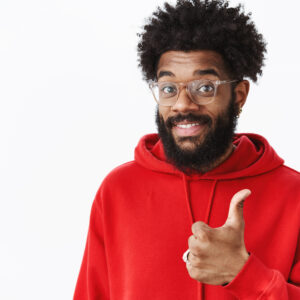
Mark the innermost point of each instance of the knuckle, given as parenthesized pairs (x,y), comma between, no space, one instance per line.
(193,272)
(203,236)
(198,247)
(195,261)
(194,227)
(195,248)
(191,241)
(196,274)
(197,226)
(201,231)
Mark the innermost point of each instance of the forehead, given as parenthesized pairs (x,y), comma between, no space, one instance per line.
(187,63)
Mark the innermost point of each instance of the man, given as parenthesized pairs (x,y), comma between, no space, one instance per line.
(189,187)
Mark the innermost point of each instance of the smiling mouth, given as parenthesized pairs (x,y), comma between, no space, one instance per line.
(189,125)
(186,128)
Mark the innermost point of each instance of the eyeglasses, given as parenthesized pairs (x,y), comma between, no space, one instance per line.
(201,91)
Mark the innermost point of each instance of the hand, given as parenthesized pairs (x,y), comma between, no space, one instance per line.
(218,254)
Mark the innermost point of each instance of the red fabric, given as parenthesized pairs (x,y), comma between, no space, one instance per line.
(142,215)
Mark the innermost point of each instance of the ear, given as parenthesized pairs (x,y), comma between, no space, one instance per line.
(241,92)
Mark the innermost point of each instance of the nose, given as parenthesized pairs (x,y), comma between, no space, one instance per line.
(184,103)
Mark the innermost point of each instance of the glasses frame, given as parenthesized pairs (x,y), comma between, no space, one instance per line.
(187,85)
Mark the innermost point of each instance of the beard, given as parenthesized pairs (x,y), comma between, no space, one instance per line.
(208,149)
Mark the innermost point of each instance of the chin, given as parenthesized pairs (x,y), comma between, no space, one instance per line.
(188,143)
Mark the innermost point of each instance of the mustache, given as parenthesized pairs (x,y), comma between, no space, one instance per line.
(201,119)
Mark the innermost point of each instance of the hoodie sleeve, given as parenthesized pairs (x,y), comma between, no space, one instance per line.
(92,281)
(256,281)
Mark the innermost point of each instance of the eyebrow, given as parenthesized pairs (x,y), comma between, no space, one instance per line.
(197,72)
(165,73)
(207,72)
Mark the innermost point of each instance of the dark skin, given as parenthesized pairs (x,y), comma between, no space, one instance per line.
(216,254)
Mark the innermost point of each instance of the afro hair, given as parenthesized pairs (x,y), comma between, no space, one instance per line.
(203,25)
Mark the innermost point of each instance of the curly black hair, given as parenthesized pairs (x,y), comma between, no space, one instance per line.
(203,25)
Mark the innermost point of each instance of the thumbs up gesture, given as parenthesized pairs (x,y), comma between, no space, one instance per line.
(218,254)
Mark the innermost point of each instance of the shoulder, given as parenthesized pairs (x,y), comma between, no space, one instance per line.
(291,171)
(285,180)
(122,177)
(292,176)
(120,185)
(122,172)
(288,173)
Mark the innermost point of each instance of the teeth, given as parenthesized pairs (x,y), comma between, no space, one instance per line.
(187,125)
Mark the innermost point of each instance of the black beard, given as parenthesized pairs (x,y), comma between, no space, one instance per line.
(206,153)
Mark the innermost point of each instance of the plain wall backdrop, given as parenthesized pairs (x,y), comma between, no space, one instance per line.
(73,106)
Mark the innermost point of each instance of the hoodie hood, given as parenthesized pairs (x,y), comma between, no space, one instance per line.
(252,156)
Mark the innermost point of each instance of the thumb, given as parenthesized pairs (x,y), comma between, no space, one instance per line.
(235,215)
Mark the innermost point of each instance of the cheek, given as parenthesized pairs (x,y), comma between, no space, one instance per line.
(164,112)
(216,108)
(212,111)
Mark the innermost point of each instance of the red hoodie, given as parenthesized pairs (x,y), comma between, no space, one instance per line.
(142,215)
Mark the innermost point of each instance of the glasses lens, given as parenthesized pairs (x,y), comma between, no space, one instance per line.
(202,91)
(165,93)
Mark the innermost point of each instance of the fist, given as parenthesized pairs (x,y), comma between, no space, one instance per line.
(218,254)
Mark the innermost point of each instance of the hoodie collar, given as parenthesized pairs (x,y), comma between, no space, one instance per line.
(252,156)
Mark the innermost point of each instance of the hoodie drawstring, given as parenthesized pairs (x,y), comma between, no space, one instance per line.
(187,199)
(200,286)
(192,221)
(210,200)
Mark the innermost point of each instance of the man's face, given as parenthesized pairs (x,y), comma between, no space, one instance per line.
(193,135)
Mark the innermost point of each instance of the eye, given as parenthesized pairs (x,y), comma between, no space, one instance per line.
(205,89)
(168,89)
